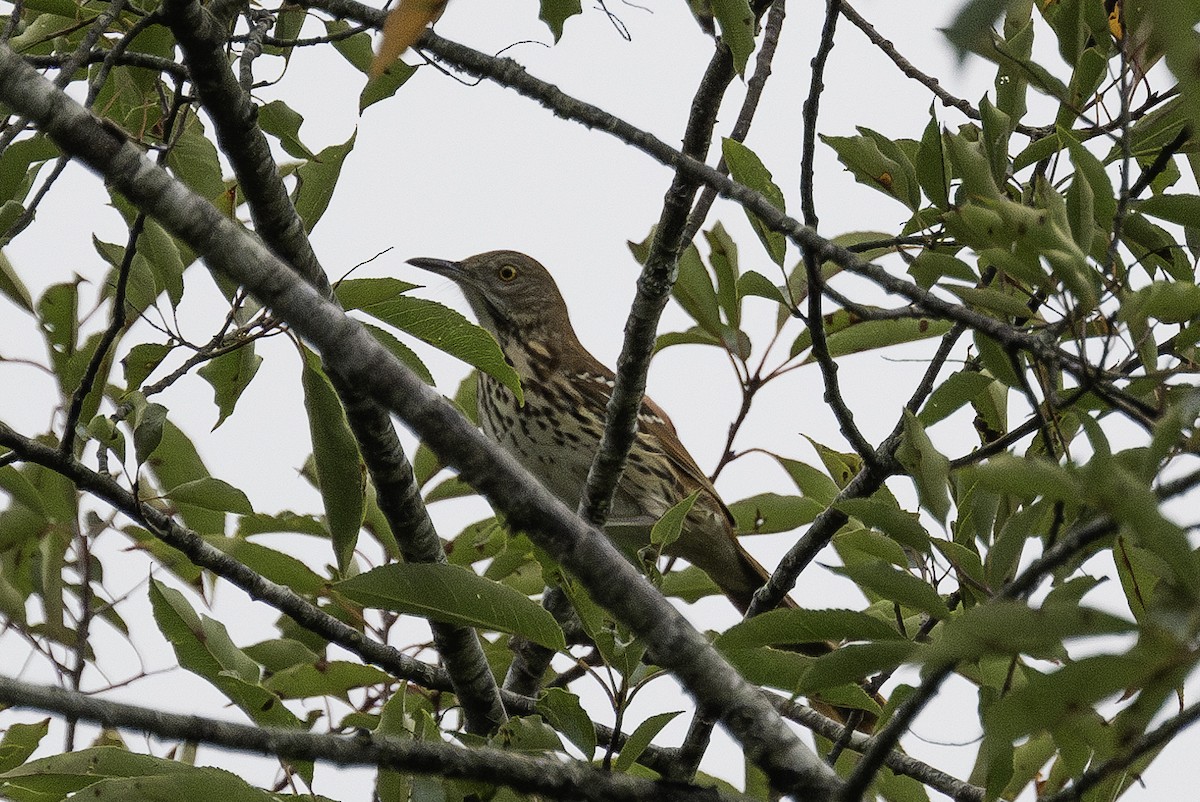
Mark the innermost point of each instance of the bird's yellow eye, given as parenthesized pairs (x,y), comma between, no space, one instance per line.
(507,273)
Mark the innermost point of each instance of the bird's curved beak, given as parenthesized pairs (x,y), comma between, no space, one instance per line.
(443,267)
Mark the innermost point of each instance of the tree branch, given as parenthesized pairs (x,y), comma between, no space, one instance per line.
(546,776)
(234,115)
(581,549)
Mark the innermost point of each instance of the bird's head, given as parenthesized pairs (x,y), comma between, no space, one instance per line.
(510,293)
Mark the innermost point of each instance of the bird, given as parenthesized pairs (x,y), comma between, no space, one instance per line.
(556,432)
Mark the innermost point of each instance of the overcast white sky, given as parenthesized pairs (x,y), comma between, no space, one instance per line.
(448,169)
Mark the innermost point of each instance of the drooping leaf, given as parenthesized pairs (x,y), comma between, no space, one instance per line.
(340,474)
(746,168)
(640,738)
(898,586)
(453,595)
(929,468)
(317,179)
(555,13)
(563,711)
(230,374)
(737,29)
(438,325)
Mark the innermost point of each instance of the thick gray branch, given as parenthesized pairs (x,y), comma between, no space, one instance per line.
(581,549)
(234,115)
(557,779)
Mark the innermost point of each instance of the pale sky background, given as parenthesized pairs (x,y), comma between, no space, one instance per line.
(447,169)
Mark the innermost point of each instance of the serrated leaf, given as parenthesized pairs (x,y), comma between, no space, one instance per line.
(212,494)
(767,513)
(340,476)
(447,330)
(667,528)
(229,375)
(929,469)
(886,516)
(453,595)
(555,13)
(737,29)
(894,585)
(791,626)
(640,738)
(1010,627)
(20,741)
(562,710)
(317,179)
(746,168)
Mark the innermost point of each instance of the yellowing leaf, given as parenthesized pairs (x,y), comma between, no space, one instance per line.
(402,28)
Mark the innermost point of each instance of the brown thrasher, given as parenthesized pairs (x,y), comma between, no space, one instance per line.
(557,432)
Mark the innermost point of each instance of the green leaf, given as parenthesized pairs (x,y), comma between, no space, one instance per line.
(564,712)
(993,300)
(932,167)
(854,662)
(141,361)
(871,167)
(212,494)
(785,627)
(746,168)
(556,12)
(194,784)
(230,374)
(723,257)
(317,179)
(898,586)
(324,678)
(340,476)
(204,648)
(20,741)
(868,335)
(453,595)
(667,528)
(148,425)
(929,469)
(809,480)
(752,283)
(737,29)
(440,326)
(885,515)
(279,120)
(640,738)
(973,24)
(695,292)
(1168,301)
(11,285)
(767,513)
(958,390)
(1029,478)
(1010,627)
(690,584)
(277,566)
(384,85)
